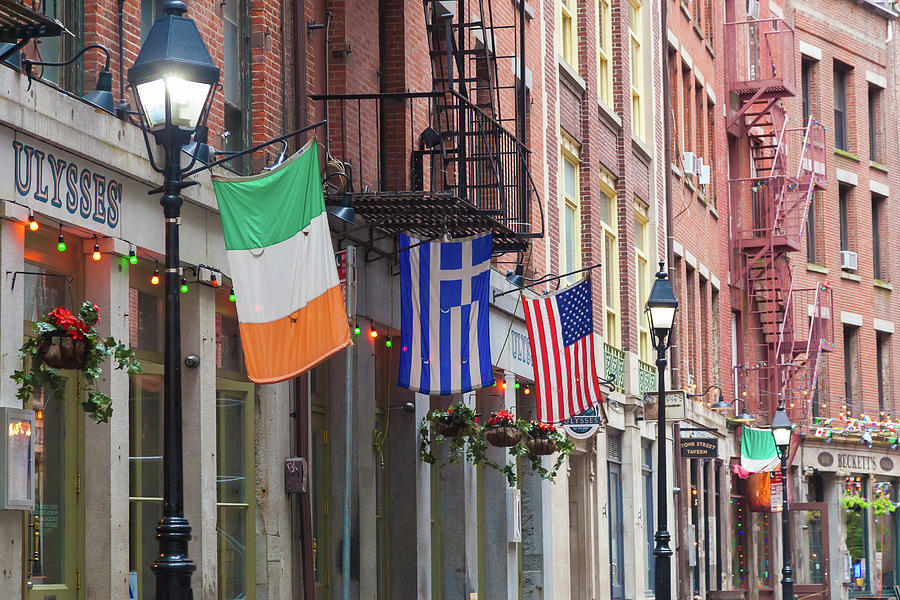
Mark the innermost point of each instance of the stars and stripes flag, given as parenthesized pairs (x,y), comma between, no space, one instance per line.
(561,331)
(445,336)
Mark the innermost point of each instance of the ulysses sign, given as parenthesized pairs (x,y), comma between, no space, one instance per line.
(54,182)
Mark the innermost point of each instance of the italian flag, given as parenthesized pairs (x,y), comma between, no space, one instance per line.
(758,452)
(289,301)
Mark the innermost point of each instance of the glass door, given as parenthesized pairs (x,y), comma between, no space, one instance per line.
(319,479)
(809,528)
(54,528)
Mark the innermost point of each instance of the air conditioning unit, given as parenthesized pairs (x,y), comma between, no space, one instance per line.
(705,175)
(753,9)
(849,260)
(689,163)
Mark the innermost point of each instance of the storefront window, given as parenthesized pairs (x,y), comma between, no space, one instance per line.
(884,495)
(857,539)
(763,550)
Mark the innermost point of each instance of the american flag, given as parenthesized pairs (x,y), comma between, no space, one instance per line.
(561,330)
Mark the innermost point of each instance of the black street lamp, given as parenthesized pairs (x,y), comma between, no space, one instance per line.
(661,308)
(173,81)
(781,431)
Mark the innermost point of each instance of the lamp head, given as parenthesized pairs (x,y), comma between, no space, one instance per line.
(517,277)
(662,304)
(101,96)
(344,211)
(173,77)
(782,429)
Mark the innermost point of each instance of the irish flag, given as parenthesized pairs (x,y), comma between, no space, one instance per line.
(289,302)
(758,452)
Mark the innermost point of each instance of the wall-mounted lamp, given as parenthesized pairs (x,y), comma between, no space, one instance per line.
(101,97)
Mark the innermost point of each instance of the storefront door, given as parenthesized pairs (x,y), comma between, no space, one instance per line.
(320,488)
(809,524)
(54,528)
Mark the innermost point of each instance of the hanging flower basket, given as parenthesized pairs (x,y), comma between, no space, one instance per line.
(447,429)
(503,436)
(62,352)
(64,340)
(541,446)
(502,431)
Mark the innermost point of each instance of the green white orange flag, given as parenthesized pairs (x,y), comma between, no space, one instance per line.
(289,302)
(758,452)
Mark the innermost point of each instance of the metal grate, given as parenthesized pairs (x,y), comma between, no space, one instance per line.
(19,21)
(614,447)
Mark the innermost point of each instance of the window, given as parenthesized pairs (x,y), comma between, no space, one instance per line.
(649,526)
(641,245)
(857,540)
(235,493)
(845,205)
(812,231)
(149,11)
(851,371)
(610,266)
(739,537)
(145,488)
(708,21)
(841,134)
(235,16)
(568,33)
(885,490)
(806,82)
(879,247)
(695,516)
(700,112)
(875,128)
(711,149)
(604,51)
(687,108)
(616,517)
(61,48)
(571,209)
(883,368)
(637,83)
(764,566)
(691,313)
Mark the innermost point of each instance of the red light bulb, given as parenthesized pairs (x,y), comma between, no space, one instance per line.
(373,333)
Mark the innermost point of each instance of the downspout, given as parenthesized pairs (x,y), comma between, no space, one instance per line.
(667,171)
(301,116)
(121,51)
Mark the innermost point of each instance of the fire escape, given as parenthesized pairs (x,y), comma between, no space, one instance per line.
(443,162)
(785,328)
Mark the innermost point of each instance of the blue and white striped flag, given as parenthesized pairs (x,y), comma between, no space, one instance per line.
(445,336)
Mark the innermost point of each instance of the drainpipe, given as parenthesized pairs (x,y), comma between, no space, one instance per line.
(667,170)
(121,51)
(301,116)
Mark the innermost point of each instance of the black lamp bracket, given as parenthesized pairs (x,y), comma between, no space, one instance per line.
(546,280)
(28,64)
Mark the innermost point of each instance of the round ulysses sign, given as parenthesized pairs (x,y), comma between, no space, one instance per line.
(583,426)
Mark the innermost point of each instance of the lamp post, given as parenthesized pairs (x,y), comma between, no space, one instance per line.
(781,431)
(661,307)
(173,81)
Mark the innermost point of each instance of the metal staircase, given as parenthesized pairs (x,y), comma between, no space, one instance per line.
(786,329)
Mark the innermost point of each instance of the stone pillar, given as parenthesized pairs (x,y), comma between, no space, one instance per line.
(456,526)
(106,445)
(635,534)
(198,336)
(471,501)
(273,509)
(423,511)
(365,459)
(501,556)
(12,257)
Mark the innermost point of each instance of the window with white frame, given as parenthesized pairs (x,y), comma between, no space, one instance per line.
(642,262)
(604,51)
(570,259)
(637,84)
(568,32)
(609,260)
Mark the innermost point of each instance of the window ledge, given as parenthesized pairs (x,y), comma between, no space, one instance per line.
(701,197)
(816,268)
(568,73)
(698,32)
(709,48)
(685,10)
(850,276)
(609,113)
(845,154)
(677,171)
(877,165)
(884,285)
(713,211)
(641,147)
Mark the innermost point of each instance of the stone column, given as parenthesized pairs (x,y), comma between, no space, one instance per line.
(635,534)
(423,510)
(273,509)
(198,336)
(501,555)
(106,445)
(470,502)
(12,257)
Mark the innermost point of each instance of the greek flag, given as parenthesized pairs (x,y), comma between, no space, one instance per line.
(445,301)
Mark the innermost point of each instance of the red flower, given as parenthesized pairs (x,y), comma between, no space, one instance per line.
(501,418)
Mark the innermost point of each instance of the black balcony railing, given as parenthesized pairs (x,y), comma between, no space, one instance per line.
(429,163)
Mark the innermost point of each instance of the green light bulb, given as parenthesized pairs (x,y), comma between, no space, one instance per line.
(61,245)
(132,258)
(356,330)
(388,343)
(184,286)
(231,295)
(517,385)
